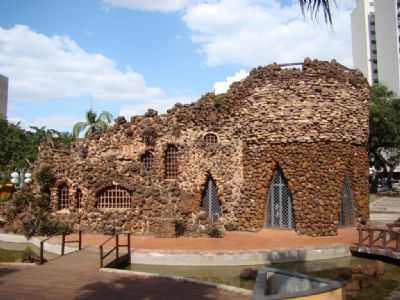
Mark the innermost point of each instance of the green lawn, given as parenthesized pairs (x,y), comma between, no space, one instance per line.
(10,255)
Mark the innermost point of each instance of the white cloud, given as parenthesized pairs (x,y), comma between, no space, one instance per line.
(42,67)
(161,105)
(221,87)
(58,122)
(149,5)
(255,32)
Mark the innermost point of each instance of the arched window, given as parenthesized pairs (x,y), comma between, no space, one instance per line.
(210,139)
(114,197)
(78,198)
(63,196)
(279,209)
(210,202)
(346,204)
(171,162)
(147,161)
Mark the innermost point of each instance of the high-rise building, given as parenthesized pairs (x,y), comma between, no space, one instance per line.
(3,96)
(375,32)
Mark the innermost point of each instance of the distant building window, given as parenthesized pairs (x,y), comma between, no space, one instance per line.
(147,161)
(63,196)
(171,162)
(114,197)
(210,139)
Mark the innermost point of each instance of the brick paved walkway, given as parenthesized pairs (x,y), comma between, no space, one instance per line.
(76,276)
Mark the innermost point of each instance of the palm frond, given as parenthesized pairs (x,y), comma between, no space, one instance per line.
(106,117)
(91,116)
(78,128)
(315,6)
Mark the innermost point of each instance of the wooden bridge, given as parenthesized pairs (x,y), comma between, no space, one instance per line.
(77,276)
(382,240)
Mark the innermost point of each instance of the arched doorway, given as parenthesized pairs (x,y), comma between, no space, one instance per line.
(279,210)
(346,204)
(210,202)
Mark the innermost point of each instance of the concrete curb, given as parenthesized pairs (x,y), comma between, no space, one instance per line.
(179,278)
(48,247)
(237,258)
(17,264)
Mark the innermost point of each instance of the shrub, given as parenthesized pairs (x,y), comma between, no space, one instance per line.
(218,100)
(231,226)
(21,200)
(43,201)
(54,227)
(45,178)
(28,255)
(29,224)
(215,232)
(180,227)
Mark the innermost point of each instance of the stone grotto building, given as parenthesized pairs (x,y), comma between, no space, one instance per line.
(283,148)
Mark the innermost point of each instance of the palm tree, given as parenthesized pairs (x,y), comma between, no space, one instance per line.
(92,124)
(315,6)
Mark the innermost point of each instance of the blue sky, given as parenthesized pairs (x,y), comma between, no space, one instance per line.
(125,56)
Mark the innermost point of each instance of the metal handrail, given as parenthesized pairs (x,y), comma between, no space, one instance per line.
(115,248)
(42,260)
(63,242)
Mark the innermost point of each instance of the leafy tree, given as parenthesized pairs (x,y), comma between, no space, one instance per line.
(93,124)
(384,124)
(18,147)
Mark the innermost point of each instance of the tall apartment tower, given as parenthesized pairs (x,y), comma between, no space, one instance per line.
(375,37)
(3,96)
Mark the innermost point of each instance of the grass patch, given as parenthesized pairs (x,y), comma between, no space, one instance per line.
(10,255)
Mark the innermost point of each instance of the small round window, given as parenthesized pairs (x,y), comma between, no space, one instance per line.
(210,139)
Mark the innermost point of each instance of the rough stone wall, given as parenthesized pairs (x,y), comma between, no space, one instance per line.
(313,123)
(315,173)
(114,157)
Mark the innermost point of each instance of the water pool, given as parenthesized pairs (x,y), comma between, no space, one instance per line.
(330,269)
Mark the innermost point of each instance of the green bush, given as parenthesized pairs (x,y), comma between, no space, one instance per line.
(45,178)
(180,227)
(28,255)
(216,232)
(30,224)
(22,200)
(231,226)
(218,101)
(54,227)
(43,201)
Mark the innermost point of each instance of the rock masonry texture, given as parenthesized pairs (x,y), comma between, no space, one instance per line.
(312,123)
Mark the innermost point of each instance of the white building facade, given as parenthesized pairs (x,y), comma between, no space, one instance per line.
(375,38)
(3,96)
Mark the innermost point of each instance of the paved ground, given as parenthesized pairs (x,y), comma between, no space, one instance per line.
(266,239)
(385,209)
(76,276)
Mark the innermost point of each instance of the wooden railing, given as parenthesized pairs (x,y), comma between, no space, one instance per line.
(63,242)
(118,257)
(385,239)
